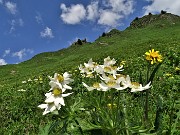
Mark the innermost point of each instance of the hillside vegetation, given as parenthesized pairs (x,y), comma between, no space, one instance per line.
(19,111)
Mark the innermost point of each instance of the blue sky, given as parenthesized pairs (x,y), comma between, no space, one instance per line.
(30,27)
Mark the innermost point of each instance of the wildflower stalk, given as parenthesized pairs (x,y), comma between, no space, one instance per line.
(125,115)
(80,129)
(118,105)
(147,97)
(112,107)
(171,116)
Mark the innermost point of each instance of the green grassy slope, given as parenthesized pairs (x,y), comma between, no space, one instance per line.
(129,45)
(132,41)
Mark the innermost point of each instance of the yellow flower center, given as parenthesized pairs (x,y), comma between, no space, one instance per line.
(107,69)
(89,75)
(60,78)
(57,91)
(120,75)
(111,77)
(96,85)
(135,85)
(114,67)
(111,83)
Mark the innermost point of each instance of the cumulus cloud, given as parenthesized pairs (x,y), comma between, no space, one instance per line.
(92,11)
(6,52)
(11,7)
(20,54)
(47,33)
(2,62)
(104,12)
(73,14)
(120,6)
(168,5)
(109,18)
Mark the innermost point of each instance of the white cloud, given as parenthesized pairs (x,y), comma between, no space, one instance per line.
(1,1)
(6,52)
(38,18)
(47,33)
(11,7)
(20,54)
(2,62)
(109,18)
(73,14)
(121,6)
(14,23)
(168,5)
(30,51)
(92,11)
(104,12)
(114,11)
(20,22)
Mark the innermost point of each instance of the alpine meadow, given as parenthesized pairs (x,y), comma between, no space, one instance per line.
(124,83)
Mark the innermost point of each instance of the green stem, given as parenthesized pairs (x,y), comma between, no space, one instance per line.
(80,129)
(112,108)
(117,110)
(171,117)
(125,114)
(147,98)
(146,107)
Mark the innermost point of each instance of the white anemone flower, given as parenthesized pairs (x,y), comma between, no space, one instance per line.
(88,69)
(126,82)
(119,82)
(95,85)
(60,80)
(90,65)
(110,82)
(54,100)
(56,97)
(135,87)
(49,107)
(109,62)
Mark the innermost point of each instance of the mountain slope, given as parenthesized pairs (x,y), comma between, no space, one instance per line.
(132,42)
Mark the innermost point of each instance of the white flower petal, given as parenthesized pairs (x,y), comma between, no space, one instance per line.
(46,111)
(67,87)
(88,87)
(61,101)
(52,107)
(42,106)
(50,99)
(66,75)
(65,95)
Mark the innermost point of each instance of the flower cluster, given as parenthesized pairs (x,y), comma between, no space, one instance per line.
(153,56)
(108,76)
(55,97)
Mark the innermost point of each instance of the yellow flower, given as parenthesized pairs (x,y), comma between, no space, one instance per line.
(153,56)
(110,106)
(168,74)
(122,63)
(177,69)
